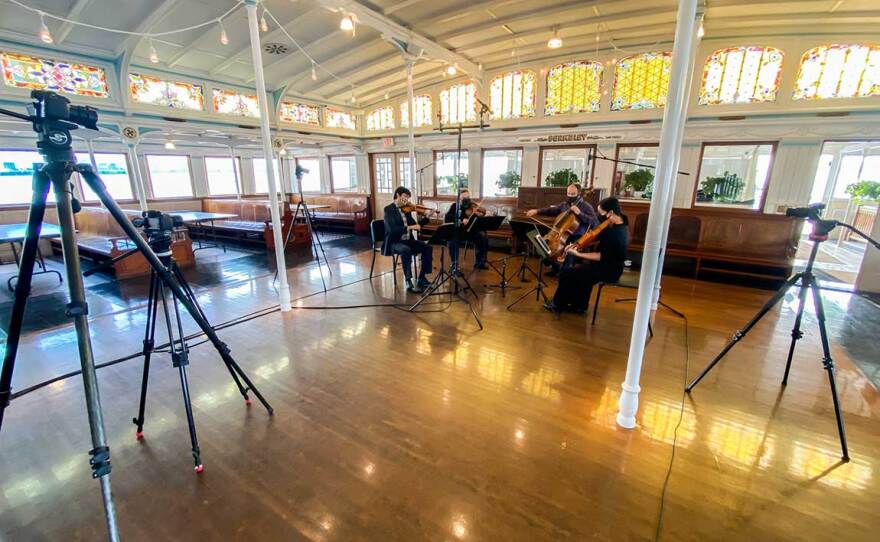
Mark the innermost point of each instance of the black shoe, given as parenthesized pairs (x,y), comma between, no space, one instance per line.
(414,288)
(423,282)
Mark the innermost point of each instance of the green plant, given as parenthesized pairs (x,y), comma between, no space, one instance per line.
(638,180)
(452,181)
(561,177)
(864,191)
(725,188)
(509,181)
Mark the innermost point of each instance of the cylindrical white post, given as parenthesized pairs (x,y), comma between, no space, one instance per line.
(410,113)
(235,172)
(684,32)
(670,199)
(92,154)
(256,55)
(140,187)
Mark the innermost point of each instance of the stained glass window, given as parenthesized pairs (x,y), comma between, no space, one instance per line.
(22,71)
(155,91)
(333,118)
(739,75)
(839,71)
(381,119)
(512,95)
(573,87)
(422,113)
(300,113)
(458,103)
(641,81)
(233,103)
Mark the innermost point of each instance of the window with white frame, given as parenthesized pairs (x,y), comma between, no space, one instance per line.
(502,170)
(169,176)
(113,169)
(343,171)
(17,171)
(734,174)
(223,175)
(261,181)
(311,180)
(445,181)
(422,112)
(458,104)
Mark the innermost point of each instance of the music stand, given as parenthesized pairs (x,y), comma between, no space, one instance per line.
(543,250)
(479,224)
(521,230)
(442,235)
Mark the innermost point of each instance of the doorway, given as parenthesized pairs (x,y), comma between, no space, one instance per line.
(388,171)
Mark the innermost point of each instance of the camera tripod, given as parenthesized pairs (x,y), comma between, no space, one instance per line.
(302,207)
(808,282)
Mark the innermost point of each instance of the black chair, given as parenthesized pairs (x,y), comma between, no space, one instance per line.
(377,236)
(625,281)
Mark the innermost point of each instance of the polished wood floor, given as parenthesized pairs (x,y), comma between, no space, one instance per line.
(391,426)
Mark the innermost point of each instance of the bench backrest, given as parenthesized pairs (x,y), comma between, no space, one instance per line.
(245,209)
(339,203)
(97,221)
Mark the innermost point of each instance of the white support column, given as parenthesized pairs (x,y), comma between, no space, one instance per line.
(256,55)
(410,113)
(235,172)
(682,121)
(684,34)
(140,188)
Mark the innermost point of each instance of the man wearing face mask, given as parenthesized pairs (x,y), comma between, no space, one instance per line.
(479,239)
(586,216)
(399,239)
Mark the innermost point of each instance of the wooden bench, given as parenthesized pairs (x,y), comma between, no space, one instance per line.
(343,211)
(253,222)
(99,238)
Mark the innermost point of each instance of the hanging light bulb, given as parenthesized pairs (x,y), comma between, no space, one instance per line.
(224,39)
(169,145)
(346,23)
(480,66)
(314,72)
(451,70)
(353,99)
(282,152)
(45,35)
(386,95)
(154,56)
(555,42)
(701,32)
(264,26)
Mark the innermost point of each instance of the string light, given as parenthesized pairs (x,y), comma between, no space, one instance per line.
(169,145)
(154,56)
(264,26)
(346,24)
(386,95)
(555,42)
(224,39)
(45,35)
(701,32)
(353,99)
(314,72)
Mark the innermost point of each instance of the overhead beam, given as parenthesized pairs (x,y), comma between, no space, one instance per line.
(401,5)
(331,37)
(132,41)
(73,13)
(210,32)
(362,66)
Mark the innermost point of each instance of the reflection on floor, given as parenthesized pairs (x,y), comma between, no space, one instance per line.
(398,426)
(835,262)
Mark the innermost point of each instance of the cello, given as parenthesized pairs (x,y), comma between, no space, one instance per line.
(565,224)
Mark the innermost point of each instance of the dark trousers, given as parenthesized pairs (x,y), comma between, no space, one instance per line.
(408,249)
(480,240)
(576,285)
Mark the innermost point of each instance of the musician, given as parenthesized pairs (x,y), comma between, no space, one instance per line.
(604,265)
(585,213)
(478,238)
(399,228)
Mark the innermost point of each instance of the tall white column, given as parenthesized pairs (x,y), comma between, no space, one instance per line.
(284,289)
(670,199)
(140,188)
(672,116)
(235,172)
(410,113)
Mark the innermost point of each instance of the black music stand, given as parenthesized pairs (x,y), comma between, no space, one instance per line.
(479,224)
(543,250)
(521,230)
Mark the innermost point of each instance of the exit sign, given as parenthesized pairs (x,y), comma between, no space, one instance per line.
(387,141)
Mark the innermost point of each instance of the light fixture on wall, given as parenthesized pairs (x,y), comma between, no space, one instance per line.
(347,23)
(154,56)
(169,145)
(45,35)
(555,42)
(451,70)
(224,39)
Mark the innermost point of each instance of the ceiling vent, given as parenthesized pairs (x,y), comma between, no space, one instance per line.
(275,49)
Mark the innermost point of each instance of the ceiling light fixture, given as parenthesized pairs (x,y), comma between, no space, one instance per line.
(346,24)
(154,56)
(701,31)
(264,26)
(386,95)
(224,39)
(169,145)
(555,42)
(45,35)
(451,70)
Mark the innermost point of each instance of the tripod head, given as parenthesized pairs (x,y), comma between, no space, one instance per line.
(821,228)
(158,227)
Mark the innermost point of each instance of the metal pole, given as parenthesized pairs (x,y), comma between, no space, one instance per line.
(684,33)
(256,55)
(411,131)
(139,186)
(235,172)
(670,199)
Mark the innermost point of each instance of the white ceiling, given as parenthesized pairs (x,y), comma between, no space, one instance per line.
(482,31)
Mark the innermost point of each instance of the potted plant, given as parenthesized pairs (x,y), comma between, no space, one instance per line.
(509,183)
(561,177)
(636,182)
(864,192)
(726,188)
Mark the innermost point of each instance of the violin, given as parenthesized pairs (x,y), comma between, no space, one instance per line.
(565,224)
(587,238)
(473,209)
(420,209)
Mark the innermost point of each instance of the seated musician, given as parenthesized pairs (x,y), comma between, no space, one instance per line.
(479,238)
(399,239)
(604,265)
(583,209)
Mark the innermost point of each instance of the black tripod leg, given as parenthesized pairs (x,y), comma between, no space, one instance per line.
(37,210)
(525,295)
(828,363)
(149,343)
(796,332)
(742,332)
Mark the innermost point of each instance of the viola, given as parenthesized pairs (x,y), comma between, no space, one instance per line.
(566,223)
(587,238)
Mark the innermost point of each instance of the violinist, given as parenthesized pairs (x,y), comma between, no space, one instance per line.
(586,216)
(479,238)
(399,239)
(606,264)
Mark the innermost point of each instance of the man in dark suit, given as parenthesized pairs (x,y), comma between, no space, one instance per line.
(399,227)
(479,238)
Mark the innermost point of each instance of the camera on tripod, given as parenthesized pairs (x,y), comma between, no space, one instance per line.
(810,212)
(51,107)
(159,228)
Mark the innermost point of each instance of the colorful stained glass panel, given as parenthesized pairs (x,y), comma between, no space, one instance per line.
(233,103)
(641,81)
(381,119)
(333,118)
(739,75)
(839,71)
(422,113)
(154,91)
(512,95)
(300,113)
(458,103)
(573,87)
(22,71)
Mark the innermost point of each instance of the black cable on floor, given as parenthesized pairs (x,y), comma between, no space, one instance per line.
(687,349)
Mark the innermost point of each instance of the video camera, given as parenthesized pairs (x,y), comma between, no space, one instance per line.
(51,107)
(154,222)
(810,212)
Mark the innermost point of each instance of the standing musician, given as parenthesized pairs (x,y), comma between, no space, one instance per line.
(399,239)
(479,238)
(605,265)
(580,207)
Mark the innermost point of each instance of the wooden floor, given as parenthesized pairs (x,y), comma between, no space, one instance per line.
(392,426)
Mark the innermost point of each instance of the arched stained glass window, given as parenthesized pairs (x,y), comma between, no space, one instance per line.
(458,103)
(573,87)
(512,95)
(381,119)
(23,71)
(839,71)
(422,113)
(641,81)
(739,75)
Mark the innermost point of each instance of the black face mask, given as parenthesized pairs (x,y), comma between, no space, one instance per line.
(465,202)
(571,199)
